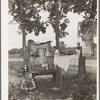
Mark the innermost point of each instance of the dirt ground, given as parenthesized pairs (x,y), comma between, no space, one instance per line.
(46,82)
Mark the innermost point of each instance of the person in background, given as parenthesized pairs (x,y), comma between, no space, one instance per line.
(62,47)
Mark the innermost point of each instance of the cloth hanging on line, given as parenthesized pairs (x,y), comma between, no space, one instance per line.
(64,61)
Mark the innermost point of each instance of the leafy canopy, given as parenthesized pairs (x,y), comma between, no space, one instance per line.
(26,12)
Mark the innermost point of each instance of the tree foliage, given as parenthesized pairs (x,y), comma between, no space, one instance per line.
(88,7)
(88,28)
(26,12)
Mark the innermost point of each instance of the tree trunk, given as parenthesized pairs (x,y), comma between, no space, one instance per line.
(24,46)
(92,48)
(81,67)
(93,9)
(57,38)
(57,25)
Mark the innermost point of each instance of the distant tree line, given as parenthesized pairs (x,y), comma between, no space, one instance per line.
(16,51)
(53,48)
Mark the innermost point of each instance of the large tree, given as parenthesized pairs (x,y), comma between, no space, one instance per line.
(26,13)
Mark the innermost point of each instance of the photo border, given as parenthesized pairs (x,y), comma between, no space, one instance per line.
(4,50)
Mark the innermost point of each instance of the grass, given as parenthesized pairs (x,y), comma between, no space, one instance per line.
(15,55)
(44,83)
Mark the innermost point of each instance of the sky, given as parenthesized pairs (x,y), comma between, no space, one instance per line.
(15,39)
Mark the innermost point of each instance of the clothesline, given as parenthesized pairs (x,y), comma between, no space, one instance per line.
(66,60)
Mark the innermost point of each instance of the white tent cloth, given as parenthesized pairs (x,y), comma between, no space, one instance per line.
(64,61)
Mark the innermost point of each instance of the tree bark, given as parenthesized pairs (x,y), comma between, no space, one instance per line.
(93,9)
(24,46)
(92,47)
(57,26)
(57,38)
(81,67)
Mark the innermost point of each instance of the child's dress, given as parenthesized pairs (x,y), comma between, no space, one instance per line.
(28,84)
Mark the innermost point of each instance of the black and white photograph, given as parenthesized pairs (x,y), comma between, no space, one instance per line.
(52,49)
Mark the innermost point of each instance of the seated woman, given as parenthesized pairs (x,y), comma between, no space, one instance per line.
(28,84)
